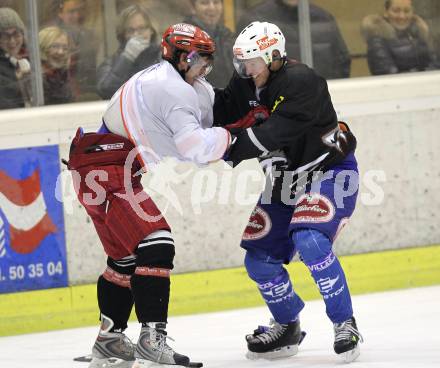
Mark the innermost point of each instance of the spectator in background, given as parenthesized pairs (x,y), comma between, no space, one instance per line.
(8,4)
(138,49)
(330,54)
(55,60)
(397,41)
(429,10)
(209,17)
(14,65)
(71,18)
(162,13)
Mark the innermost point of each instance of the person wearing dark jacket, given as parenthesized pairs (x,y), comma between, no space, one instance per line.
(55,62)
(209,17)
(305,153)
(331,58)
(138,49)
(398,41)
(14,66)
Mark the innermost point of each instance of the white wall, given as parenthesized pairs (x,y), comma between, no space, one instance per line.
(395,118)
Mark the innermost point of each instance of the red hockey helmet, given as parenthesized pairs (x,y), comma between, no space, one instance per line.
(186,37)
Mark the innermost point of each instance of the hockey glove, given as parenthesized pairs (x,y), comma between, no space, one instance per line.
(256,116)
(341,143)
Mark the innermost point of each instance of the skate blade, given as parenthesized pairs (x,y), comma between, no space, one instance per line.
(143,363)
(110,363)
(83,358)
(351,355)
(284,352)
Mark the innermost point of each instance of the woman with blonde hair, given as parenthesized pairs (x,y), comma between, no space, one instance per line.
(76,18)
(138,49)
(398,41)
(55,60)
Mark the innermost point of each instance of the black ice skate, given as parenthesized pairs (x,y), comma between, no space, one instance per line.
(347,338)
(111,349)
(152,349)
(274,342)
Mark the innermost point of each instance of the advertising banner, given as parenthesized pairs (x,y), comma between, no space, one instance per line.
(32,238)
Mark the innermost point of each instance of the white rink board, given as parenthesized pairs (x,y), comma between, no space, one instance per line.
(395,118)
(400,329)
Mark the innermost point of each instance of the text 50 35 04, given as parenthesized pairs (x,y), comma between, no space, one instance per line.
(31,271)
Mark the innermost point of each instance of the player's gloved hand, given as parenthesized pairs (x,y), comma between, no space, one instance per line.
(342,142)
(275,166)
(256,116)
(275,158)
(134,47)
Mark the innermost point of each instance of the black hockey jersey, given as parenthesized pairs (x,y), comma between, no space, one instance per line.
(302,123)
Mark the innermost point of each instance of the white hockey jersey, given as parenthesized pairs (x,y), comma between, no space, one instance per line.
(159,112)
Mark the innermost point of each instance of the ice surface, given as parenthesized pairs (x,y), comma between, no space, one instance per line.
(401,329)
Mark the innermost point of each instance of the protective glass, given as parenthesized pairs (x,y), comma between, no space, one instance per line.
(200,63)
(249,68)
(7,36)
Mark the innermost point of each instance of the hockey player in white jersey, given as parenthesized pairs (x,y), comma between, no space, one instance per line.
(157,113)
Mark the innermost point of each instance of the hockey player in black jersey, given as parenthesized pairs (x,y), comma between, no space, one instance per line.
(311,192)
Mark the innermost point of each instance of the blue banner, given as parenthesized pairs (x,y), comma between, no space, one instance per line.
(32,238)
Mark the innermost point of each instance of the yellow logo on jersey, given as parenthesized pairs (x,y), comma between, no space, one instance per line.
(277,102)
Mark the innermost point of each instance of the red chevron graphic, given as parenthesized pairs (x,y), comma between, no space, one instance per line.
(20,192)
(25,242)
(26,212)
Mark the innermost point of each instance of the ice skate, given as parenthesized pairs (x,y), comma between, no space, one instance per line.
(274,342)
(152,349)
(111,349)
(347,338)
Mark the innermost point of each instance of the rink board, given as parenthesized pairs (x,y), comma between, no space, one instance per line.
(396,208)
(218,290)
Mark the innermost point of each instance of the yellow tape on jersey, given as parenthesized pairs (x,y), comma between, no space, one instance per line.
(277,102)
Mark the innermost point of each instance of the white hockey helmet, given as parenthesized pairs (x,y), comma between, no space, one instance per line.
(258,40)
